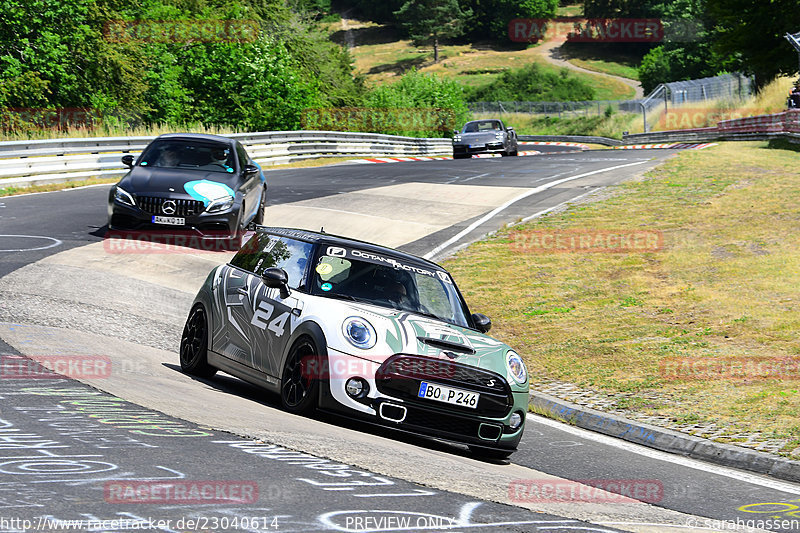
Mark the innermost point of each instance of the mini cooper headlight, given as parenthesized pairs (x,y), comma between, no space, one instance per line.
(220,204)
(123,196)
(359,332)
(516,367)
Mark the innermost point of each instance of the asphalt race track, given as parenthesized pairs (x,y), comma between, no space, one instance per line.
(73,450)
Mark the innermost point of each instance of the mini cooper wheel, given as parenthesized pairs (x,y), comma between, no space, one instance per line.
(194,344)
(300,378)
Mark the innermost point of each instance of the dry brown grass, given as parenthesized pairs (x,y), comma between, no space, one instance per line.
(723,287)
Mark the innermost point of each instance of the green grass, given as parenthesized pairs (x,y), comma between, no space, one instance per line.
(722,288)
(598,125)
(608,59)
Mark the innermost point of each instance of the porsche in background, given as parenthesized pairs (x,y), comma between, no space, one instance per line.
(206,185)
(489,136)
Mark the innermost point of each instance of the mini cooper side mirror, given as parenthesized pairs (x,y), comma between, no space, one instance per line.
(250,169)
(277,278)
(127,160)
(482,322)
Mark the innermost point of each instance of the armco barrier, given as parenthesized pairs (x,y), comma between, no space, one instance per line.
(24,163)
(760,127)
(605,141)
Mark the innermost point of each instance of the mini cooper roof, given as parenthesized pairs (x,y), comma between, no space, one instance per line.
(316,237)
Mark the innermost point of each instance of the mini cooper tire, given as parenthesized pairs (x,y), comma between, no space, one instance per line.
(194,345)
(300,382)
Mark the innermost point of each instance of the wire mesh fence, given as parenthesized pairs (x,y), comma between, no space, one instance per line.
(727,87)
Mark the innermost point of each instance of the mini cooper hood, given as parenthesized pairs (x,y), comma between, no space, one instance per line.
(404,332)
(143,180)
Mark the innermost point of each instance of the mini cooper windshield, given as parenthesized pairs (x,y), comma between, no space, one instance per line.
(386,282)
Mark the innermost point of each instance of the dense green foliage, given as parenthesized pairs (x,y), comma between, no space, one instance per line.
(705,37)
(533,84)
(489,19)
(173,61)
(426,92)
(750,35)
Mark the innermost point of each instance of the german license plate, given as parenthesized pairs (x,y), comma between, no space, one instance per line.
(477,145)
(440,393)
(171,221)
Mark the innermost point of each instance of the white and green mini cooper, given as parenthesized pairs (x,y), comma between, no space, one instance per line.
(361,330)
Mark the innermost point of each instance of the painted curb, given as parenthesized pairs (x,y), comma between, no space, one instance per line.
(666,440)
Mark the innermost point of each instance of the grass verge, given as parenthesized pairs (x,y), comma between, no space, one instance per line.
(723,289)
(599,125)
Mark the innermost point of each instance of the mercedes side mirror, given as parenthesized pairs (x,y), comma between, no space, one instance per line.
(250,169)
(127,160)
(276,278)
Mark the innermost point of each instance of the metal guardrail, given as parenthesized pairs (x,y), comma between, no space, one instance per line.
(760,127)
(24,163)
(584,139)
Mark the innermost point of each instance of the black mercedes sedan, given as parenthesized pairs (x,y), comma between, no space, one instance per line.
(489,136)
(204,185)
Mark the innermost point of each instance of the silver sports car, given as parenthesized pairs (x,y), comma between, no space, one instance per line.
(484,137)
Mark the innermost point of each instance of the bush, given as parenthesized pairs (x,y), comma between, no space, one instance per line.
(533,84)
(426,92)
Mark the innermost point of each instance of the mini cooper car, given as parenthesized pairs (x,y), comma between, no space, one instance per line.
(206,185)
(484,137)
(362,330)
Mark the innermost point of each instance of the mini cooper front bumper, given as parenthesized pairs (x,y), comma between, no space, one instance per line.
(390,396)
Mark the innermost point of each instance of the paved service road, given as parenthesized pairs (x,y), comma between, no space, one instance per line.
(71,300)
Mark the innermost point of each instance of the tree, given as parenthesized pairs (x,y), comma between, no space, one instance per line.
(428,20)
(750,33)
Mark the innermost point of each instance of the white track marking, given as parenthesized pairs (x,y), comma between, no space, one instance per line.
(545,211)
(491,214)
(55,243)
(753,479)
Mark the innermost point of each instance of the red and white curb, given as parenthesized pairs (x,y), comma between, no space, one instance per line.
(437,158)
(548,143)
(677,146)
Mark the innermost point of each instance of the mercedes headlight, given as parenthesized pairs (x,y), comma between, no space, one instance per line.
(516,367)
(124,197)
(220,204)
(499,135)
(457,139)
(359,332)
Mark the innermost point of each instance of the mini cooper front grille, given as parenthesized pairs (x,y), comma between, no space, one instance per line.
(173,207)
(420,367)
(400,376)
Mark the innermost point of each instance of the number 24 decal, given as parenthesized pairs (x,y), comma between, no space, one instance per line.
(261,318)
